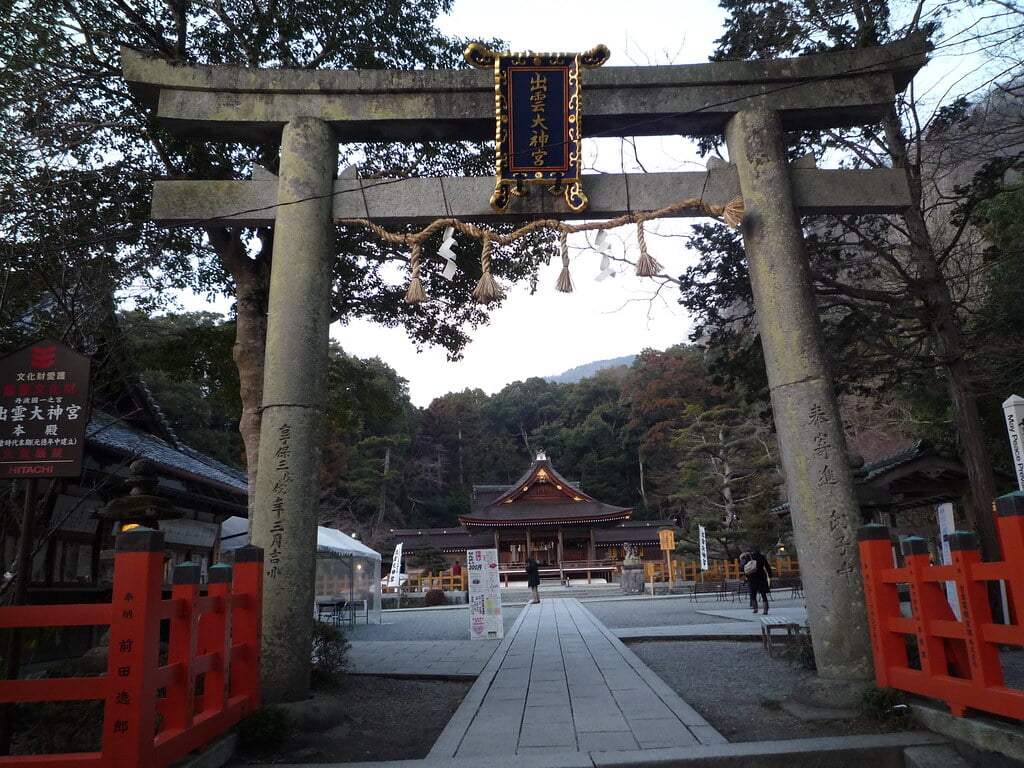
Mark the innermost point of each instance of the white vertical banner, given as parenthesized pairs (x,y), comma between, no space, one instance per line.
(703,547)
(944,517)
(1013,408)
(485,621)
(395,577)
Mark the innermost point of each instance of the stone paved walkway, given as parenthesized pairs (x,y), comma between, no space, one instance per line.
(562,682)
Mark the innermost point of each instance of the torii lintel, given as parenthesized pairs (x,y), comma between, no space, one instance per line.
(253,203)
(233,103)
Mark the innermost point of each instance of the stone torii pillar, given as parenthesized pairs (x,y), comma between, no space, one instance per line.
(294,395)
(819,484)
(751,102)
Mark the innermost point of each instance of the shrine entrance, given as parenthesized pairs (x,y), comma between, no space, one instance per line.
(751,103)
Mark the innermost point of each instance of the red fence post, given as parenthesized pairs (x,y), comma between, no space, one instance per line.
(215,637)
(928,602)
(975,611)
(129,717)
(248,623)
(882,601)
(1010,525)
(179,705)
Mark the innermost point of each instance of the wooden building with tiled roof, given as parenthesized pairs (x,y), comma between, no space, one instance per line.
(545,517)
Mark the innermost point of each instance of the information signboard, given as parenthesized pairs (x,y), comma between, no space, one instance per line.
(44,411)
(485,620)
(667,538)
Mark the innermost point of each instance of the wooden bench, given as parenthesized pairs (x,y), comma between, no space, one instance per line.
(768,623)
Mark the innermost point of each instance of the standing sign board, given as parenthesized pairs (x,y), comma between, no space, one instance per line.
(44,411)
(703,547)
(485,620)
(667,538)
(1013,409)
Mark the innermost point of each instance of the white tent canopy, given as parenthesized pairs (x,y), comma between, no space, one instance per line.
(234,533)
(359,581)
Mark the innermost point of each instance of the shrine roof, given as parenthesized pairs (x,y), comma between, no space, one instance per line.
(453,539)
(540,497)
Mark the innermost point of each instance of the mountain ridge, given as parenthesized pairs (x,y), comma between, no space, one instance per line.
(573,375)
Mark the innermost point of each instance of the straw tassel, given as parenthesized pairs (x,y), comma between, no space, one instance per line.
(733,213)
(564,284)
(487,289)
(646,265)
(415,294)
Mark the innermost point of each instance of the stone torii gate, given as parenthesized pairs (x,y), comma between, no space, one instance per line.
(751,103)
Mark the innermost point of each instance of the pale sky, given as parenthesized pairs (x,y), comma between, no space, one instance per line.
(599,320)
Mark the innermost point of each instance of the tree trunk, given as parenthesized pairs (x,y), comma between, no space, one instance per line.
(251,276)
(943,325)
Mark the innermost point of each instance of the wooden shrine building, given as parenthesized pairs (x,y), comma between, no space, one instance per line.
(545,517)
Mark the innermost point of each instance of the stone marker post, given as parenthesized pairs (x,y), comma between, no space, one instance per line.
(824,509)
(287,484)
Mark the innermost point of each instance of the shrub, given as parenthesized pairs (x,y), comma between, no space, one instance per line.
(267,728)
(886,705)
(330,654)
(58,726)
(800,650)
(434,597)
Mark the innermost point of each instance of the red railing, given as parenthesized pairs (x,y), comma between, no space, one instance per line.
(216,637)
(957,659)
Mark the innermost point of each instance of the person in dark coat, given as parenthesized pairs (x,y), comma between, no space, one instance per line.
(760,578)
(533,579)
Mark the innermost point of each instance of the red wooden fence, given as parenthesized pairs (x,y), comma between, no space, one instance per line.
(216,636)
(958,659)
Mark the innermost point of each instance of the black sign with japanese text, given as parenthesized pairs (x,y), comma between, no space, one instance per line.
(44,410)
(538,135)
(539,119)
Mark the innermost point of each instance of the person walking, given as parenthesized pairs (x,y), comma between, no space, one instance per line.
(533,579)
(758,572)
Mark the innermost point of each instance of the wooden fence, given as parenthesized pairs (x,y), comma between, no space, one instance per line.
(683,570)
(931,652)
(445,580)
(215,637)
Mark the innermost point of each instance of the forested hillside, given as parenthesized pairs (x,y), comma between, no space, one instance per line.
(658,436)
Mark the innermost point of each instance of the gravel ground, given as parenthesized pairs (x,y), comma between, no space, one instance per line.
(372,719)
(738,689)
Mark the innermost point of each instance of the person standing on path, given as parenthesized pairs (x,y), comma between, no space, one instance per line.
(758,571)
(533,579)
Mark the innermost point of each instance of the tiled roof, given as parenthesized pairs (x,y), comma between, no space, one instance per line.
(108,433)
(570,512)
(444,539)
(541,496)
(896,459)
